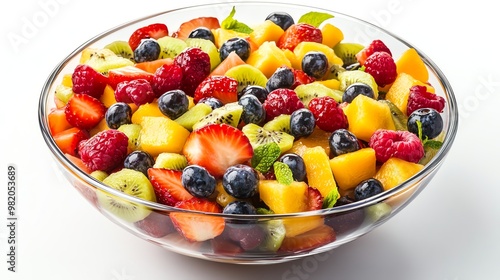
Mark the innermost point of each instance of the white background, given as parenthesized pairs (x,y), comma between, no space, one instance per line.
(450,232)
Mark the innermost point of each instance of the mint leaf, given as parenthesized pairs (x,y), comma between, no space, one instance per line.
(264,211)
(314,18)
(331,198)
(433,144)
(230,23)
(264,156)
(283,173)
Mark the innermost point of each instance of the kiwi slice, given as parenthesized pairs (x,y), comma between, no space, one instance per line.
(279,123)
(275,233)
(347,52)
(193,115)
(130,182)
(133,132)
(259,136)
(347,78)
(121,48)
(247,75)
(378,211)
(170,46)
(208,47)
(400,119)
(170,161)
(229,114)
(104,63)
(99,175)
(307,92)
(333,72)
(63,93)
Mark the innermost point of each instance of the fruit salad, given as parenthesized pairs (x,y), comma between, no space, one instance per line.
(220,116)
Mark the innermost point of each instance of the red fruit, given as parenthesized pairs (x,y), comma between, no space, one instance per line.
(167,77)
(84,111)
(328,114)
(137,91)
(217,147)
(155,225)
(152,66)
(382,67)
(248,237)
(79,163)
(420,98)
(314,199)
(301,78)
(155,31)
(69,139)
(57,121)
(127,73)
(225,246)
(309,240)
(105,150)
(401,144)
(86,80)
(167,184)
(198,227)
(281,101)
(221,87)
(297,33)
(187,27)
(195,65)
(374,46)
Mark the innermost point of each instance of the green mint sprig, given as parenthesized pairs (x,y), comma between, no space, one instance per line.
(331,198)
(283,173)
(314,18)
(264,156)
(230,23)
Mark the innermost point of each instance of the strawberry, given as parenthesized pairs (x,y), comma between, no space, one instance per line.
(68,140)
(314,199)
(86,80)
(155,31)
(382,67)
(57,121)
(223,88)
(309,240)
(127,73)
(301,78)
(198,227)
(167,185)
(155,225)
(195,65)
(217,147)
(299,32)
(187,27)
(374,46)
(84,111)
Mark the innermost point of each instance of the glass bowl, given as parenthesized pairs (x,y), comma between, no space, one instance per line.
(348,221)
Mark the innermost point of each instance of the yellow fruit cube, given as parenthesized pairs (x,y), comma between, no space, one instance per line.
(161,134)
(319,173)
(411,63)
(266,31)
(332,35)
(267,58)
(395,171)
(330,83)
(282,199)
(221,35)
(365,115)
(146,110)
(317,138)
(400,90)
(352,168)
(298,226)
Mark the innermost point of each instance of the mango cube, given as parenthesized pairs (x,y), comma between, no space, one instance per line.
(352,168)
(395,171)
(282,199)
(400,90)
(161,134)
(267,58)
(319,173)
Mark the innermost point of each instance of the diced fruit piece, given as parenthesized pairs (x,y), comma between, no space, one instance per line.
(347,52)
(401,144)
(229,114)
(332,35)
(133,133)
(259,136)
(395,171)
(69,139)
(170,47)
(104,151)
(266,31)
(170,161)
(87,80)
(108,96)
(193,115)
(366,115)
(282,199)
(208,47)
(88,53)
(63,93)
(221,87)
(222,35)
(167,185)
(84,111)
(317,138)
(155,225)
(297,33)
(319,173)
(155,31)
(305,47)
(400,90)
(351,168)
(160,134)
(296,226)
(374,46)
(188,26)
(382,67)
(232,60)
(348,78)
(78,163)
(309,240)
(246,75)
(316,89)
(121,48)
(411,63)
(104,63)
(146,110)
(127,73)
(57,121)
(222,197)
(267,58)
(152,66)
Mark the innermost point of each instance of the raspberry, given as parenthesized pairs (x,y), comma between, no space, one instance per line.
(138,91)
(329,116)
(86,80)
(195,65)
(382,67)
(167,77)
(281,101)
(104,151)
(401,144)
(374,46)
(421,98)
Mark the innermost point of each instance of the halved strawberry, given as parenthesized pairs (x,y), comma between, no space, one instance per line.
(374,46)
(167,185)
(301,78)
(188,26)
(57,121)
(217,147)
(314,199)
(198,227)
(297,33)
(223,88)
(127,73)
(309,240)
(68,140)
(84,111)
(155,31)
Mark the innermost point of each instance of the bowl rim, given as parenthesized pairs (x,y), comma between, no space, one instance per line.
(428,169)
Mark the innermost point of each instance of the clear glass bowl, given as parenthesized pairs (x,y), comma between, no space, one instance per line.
(349,221)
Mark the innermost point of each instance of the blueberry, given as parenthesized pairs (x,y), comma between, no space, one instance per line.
(148,50)
(431,120)
(173,103)
(281,19)
(238,45)
(302,123)
(260,92)
(197,181)
(315,64)
(240,207)
(281,78)
(202,33)
(253,111)
(367,188)
(342,141)
(140,161)
(118,114)
(240,181)
(356,89)
(211,101)
(296,164)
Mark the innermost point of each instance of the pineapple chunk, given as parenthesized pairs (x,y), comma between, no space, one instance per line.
(319,173)
(267,58)
(161,134)
(411,63)
(146,110)
(400,90)
(352,168)
(296,226)
(266,31)
(282,199)
(395,171)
